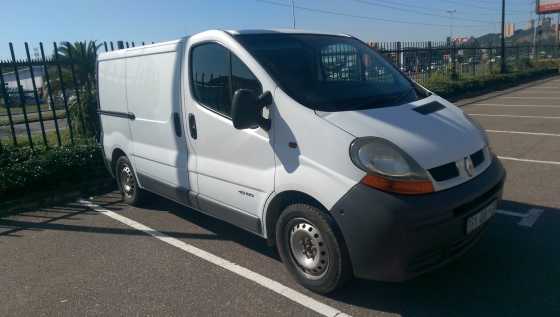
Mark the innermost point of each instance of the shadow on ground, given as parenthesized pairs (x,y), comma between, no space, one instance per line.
(513,271)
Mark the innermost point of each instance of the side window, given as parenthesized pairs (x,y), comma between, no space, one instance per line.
(242,78)
(210,72)
(216,74)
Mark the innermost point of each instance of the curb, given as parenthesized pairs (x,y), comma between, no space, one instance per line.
(468,101)
(51,198)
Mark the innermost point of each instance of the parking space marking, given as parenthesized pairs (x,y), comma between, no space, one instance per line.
(531,218)
(264,281)
(506,105)
(522,132)
(507,158)
(527,220)
(512,116)
(529,97)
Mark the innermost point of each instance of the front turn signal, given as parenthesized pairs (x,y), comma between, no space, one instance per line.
(405,187)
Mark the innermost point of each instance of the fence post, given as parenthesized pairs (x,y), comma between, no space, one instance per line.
(473,60)
(21,94)
(64,96)
(454,61)
(36,95)
(399,56)
(49,92)
(77,89)
(7,103)
(430,58)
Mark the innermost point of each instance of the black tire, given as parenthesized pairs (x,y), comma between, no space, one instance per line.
(307,233)
(128,184)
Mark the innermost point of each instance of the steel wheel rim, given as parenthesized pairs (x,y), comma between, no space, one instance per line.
(127,181)
(308,249)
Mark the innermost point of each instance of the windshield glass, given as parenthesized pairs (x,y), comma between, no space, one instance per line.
(329,73)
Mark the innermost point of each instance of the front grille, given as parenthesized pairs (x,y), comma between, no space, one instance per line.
(478,158)
(444,172)
(450,170)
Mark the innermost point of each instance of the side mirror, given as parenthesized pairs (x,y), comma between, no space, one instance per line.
(246,109)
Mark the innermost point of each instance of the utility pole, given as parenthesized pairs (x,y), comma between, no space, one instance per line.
(503,68)
(293,14)
(451,13)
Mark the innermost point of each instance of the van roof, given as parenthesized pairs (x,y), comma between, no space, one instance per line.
(171,46)
(284,31)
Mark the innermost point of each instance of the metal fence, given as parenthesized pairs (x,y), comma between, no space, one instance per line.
(50,100)
(45,100)
(423,61)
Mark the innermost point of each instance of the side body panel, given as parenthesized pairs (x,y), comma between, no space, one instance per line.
(112,97)
(154,97)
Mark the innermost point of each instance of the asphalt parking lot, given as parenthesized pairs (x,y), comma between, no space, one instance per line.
(106,258)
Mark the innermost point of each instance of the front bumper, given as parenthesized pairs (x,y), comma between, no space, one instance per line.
(394,237)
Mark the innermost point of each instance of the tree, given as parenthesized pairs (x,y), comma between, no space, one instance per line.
(83,56)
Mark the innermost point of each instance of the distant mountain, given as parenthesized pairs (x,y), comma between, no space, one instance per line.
(546,35)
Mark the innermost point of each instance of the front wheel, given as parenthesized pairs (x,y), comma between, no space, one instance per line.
(128,184)
(310,249)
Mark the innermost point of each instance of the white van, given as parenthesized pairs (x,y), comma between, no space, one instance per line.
(312,141)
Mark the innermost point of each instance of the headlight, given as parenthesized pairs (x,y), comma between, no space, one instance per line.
(388,167)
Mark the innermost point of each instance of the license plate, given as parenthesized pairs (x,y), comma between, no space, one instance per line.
(481,217)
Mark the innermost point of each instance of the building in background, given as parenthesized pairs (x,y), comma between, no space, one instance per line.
(510,30)
(24,79)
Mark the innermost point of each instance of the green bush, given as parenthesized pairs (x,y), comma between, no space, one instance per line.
(84,114)
(23,171)
(475,85)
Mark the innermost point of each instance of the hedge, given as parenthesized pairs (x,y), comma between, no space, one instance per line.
(23,171)
(477,85)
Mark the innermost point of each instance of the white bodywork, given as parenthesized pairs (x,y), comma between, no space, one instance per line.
(245,169)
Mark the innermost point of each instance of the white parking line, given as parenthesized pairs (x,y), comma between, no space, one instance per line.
(527,220)
(518,97)
(507,158)
(512,116)
(521,132)
(524,106)
(264,281)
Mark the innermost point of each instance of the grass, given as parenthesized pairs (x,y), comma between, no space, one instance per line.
(37,139)
(31,117)
(19,110)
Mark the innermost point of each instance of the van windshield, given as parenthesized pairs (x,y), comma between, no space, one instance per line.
(329,73)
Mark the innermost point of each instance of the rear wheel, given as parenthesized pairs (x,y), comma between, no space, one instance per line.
(311,250)
(127,182)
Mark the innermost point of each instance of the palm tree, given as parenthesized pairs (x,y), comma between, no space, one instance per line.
(83,56)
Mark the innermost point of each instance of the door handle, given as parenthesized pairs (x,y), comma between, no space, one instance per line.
(177,124)
(192,126)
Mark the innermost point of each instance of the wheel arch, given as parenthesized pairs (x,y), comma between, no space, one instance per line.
(282,200)
(116,153)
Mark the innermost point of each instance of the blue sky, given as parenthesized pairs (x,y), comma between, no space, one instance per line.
(153,20)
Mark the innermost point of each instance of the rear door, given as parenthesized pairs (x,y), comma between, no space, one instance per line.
(235,168)
(154,97)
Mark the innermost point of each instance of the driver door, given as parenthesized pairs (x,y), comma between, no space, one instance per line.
(235,168)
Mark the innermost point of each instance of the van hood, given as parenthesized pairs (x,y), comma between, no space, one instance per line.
(432,134)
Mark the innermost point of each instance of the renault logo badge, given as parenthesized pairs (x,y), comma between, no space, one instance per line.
(469,167)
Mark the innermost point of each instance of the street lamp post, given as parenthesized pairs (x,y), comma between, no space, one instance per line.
(293,14)
(503,64)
